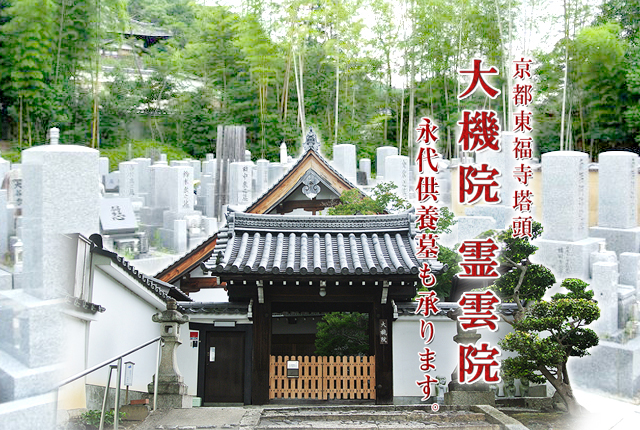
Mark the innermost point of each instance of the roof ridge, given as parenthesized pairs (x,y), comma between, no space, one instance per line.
(296,164)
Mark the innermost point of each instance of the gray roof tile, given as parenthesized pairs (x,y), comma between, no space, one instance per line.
(317,245)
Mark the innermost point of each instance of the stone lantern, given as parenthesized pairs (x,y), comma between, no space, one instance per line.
(172,391)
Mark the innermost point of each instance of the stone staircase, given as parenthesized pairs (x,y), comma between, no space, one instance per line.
(331,417)
(373,417)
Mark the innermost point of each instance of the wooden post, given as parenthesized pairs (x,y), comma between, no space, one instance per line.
(261,352)
(383,353)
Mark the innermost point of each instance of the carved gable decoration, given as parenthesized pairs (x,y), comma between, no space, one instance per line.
(311,142)
(312,176)
(311,182)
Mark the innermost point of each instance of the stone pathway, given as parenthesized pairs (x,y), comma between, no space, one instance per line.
(324,418)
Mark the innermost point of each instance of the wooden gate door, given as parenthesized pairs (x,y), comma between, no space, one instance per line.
(323,378)
(224,367)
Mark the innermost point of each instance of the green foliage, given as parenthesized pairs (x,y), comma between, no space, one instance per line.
(140,148)
(384,201)
(525,280)
(444,281)
(342,334)
(550,333)
(92,417)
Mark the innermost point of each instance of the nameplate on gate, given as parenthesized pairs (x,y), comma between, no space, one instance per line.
(293,368)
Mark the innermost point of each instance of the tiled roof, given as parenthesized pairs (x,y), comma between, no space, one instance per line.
(317,245)
(409,308)
(157,287)
(179,267)
(308,153)
(83,305)
(211,308)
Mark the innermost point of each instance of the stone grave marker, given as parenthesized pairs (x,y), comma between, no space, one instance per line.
(117,216)
(381,155)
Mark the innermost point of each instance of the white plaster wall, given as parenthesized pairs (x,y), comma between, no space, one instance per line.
(73,395)
(124,325)
(188,359)
(407,343)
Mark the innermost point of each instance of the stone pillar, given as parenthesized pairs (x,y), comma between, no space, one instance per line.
(5,166)
(344,159)
(197,169)
(104,169)
(565,246)
(477,393)
(605,287)
(365,166)
(129,179)
(630,270)
(181,189)
(565,194)
(61,197)
(505,163)
(240,179)
(4,223)
(617,196)
(397,172)
(172,391)
(283,153)
(262,179)
(381,155)
(276,170)
(618,201)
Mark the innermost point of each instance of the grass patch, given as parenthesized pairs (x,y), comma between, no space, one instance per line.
(141,148)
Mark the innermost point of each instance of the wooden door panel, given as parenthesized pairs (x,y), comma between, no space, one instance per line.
(224,367)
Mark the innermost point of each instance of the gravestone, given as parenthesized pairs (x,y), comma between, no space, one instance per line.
(344,160)
(381,155)
(365,166)
(4,224)
(618,201)
(180,189)
(144,176)
(117,216)
(605,286)
(505,162)
(397,172)
(565,246)
(5,166)
(240,181)
(14,188)
(112,181)
(129,179)
(61,193)
(104,169)
(469,227)
(230,147)
(276,171)
(197,169)
(630,270)
(262,177)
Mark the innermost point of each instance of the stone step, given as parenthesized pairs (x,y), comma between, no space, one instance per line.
(378,417)
(391,425)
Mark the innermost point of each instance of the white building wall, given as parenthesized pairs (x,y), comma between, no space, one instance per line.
(73,395)
(124,325)
(187,359)
(407,343)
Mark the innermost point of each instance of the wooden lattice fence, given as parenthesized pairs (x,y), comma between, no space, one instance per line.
(323,378)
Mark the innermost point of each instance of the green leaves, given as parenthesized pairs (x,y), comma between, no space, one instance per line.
(551,332)
(342,334)
(383,201)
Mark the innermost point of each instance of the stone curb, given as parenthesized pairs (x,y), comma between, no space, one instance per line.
(494,416)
